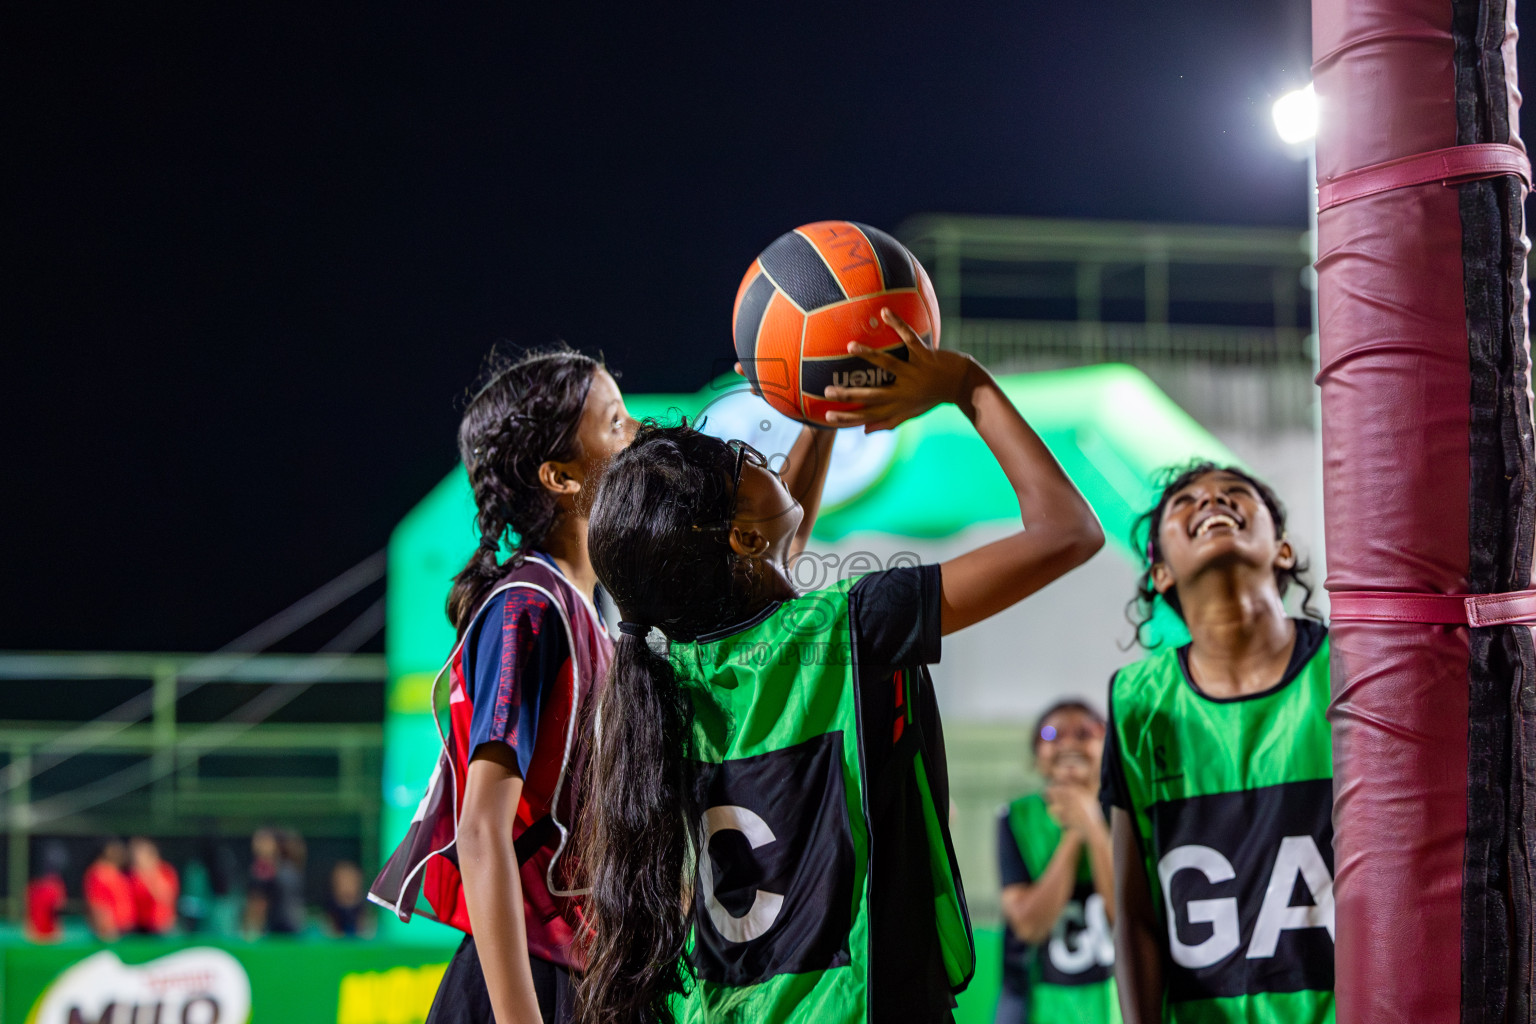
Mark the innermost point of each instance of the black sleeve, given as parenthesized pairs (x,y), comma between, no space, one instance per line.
(895,616)
(1112,792)
(1011,868)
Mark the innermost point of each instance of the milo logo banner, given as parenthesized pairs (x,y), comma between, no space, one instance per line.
(193,986)
(271,981)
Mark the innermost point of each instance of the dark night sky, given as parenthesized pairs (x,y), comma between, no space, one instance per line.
(254,256)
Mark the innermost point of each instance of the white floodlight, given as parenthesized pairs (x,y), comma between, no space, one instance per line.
(1295,116)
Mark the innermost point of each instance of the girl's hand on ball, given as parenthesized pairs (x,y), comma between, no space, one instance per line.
(925,378)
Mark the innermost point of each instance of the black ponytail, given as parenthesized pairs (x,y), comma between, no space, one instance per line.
(640,833)
(1141,608)
(638,844)
(525,414)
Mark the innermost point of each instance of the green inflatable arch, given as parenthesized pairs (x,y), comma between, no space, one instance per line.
(1110,427)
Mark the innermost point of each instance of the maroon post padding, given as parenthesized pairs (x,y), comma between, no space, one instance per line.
(1395,392)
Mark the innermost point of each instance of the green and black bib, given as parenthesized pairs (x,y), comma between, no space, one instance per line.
(1233,801)
(789,875)
(1071,974)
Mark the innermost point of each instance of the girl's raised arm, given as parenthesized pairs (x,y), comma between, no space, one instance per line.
(804,475)
(1060,530)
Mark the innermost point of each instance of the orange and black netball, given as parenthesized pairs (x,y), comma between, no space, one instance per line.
(808,295)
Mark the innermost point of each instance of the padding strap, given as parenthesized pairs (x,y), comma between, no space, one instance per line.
(1513,609)
(1450,166)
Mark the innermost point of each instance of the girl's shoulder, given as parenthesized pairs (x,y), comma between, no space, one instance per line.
(531,589)
(1025,806)
(524,605)
(1144,690)
(1158,669)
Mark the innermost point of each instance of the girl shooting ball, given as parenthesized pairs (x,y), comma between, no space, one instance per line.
(774,784)
(1218,767)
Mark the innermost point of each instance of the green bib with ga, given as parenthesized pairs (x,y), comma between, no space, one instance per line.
(781,927)
(1233,802)
(1071,974)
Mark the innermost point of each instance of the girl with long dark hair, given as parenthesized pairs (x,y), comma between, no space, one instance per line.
(772,781)
(1218,768)
(488,846)
(487,843)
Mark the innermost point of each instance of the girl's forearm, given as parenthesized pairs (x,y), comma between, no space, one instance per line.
(493,891)
(1034,909)
(1138,953)
(805,474)
(1047,497)
(1060,530)
(494,895)
(1101,861)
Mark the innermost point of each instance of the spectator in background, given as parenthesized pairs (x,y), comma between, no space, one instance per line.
(227,906)
(45,894)
(196,895)
(345,907)
(205,904)
(262,880)
(1057,871)
(108,900)
(154,886)
(291,857)
(274,900)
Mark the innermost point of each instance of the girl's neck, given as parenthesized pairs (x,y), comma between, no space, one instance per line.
(768,586)
(1240,636)
(566,543)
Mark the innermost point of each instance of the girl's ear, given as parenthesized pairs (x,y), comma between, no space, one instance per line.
(1162,578)
(748,542)
(1285,558)
(560,477)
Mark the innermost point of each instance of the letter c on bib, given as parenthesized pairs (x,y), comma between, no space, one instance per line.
(1221,914)
(765,905)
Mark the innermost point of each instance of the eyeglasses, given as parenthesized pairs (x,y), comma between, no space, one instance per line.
(1083,733)
(745,454)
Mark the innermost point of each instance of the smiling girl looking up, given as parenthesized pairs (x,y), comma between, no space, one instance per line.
(1219,772)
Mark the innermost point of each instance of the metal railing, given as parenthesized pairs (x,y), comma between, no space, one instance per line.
(1245,377)
(1151,295)
(149,777)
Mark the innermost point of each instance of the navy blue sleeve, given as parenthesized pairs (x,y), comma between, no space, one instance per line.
(1011,869)
(513,657)
(895,617)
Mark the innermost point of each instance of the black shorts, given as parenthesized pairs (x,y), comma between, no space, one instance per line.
(462,998)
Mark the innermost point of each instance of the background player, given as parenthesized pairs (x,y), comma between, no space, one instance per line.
(1219,769)
(1054,861)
